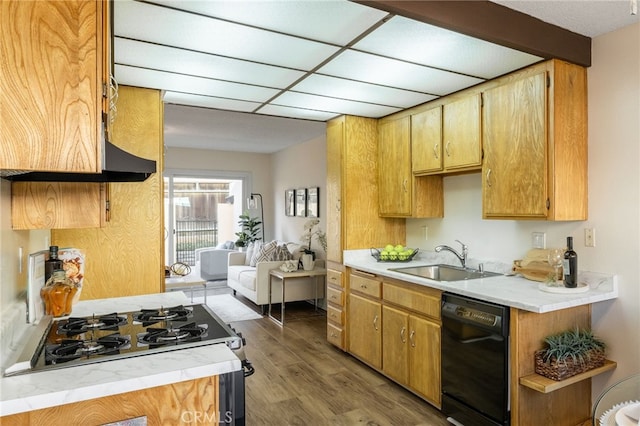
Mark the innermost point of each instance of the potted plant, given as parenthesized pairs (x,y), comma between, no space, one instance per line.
(310,233)
(249,228)
(569,353)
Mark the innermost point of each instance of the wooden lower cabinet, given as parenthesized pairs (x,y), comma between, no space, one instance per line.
(181,403)
(336,306)
(365,329)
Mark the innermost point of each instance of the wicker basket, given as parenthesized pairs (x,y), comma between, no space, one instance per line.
(377,255)
(555,370)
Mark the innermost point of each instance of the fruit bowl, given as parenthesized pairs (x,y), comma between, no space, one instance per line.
(406,255)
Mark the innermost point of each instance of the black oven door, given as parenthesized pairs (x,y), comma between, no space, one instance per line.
(475,373)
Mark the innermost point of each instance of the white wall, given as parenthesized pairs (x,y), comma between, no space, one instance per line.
(614,204)
(301,166)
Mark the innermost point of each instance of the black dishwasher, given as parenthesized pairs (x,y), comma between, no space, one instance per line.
(475,361)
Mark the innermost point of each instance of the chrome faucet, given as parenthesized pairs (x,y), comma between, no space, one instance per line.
(462,257)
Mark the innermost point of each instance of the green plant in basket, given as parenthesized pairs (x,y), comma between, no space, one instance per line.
(577,345)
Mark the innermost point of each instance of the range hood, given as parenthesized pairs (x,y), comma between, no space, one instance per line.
(118,166)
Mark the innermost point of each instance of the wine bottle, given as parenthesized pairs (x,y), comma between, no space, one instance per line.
(52,264)
(570,265)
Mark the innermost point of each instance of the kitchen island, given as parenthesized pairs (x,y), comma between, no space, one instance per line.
(137,386)
(385,309)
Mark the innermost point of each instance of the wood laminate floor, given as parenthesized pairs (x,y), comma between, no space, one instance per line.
(301,379)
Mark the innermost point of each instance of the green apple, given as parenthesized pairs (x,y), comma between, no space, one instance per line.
(388,248)
(399,248)
(393,253)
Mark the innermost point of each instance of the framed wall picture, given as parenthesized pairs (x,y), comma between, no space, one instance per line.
(301,202)
(290,202)
(312,202)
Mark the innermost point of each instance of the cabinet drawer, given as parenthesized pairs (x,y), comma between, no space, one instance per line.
(335,296)
(335,336)
(335,315)
(369,286)
(423,300)
(335,278)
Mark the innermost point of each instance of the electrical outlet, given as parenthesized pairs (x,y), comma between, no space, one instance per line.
(589,237)
(539,240)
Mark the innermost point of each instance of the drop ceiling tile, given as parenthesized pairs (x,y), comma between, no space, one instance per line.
(342,106)
(306,114)
(336,22)
(162,58)
(209,102)
(190,31)
(429,45)
(389,72)
(195,85)
(363,92)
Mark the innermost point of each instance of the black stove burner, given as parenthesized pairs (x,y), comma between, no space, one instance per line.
(70,349)
(155,337)
(74,326)
(152,316)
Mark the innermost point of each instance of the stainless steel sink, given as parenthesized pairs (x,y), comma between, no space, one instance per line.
(444,272)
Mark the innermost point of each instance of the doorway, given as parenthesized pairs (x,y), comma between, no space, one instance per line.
(201,209)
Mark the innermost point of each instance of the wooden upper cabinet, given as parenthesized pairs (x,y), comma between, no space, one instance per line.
(461,134)
(426,141)
(51,87)
(535,144)
(394,174)
(353,221)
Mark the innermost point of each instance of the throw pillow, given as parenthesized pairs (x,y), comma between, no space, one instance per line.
(265,253)
(256,251)
(248,255)
(282,253)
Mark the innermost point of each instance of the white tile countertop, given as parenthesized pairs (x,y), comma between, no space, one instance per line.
(50,388)
(513,291)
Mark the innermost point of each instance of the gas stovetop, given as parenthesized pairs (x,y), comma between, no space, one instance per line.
(98,338)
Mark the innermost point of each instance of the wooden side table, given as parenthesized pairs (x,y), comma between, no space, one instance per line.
(188,281)
(283,276)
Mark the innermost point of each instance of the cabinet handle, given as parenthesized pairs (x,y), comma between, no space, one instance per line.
(334,279)
(404,185)
(402,333)
(363,286)
(411,338)
(435,151)
(446,148)
(333,297)
(375,323)
(488,178)
(338,205)
(333,334)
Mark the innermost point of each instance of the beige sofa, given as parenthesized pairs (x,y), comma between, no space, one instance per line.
(253,282)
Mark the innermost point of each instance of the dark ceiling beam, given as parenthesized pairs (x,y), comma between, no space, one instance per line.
(495,23)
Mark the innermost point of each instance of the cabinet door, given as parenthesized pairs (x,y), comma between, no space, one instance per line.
(51,67)
(426,141)
(395,351)
(515,164)
(394,175)
(462,148)
(365,330)
(335,136)
(424,358)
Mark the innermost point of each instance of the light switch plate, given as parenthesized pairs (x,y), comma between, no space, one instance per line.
(539,240)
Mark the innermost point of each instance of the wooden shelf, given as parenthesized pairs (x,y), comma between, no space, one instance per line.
(545,385)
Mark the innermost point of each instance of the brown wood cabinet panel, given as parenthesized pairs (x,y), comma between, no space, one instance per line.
(426,141)
(335,296)
(515,124)
(51,85)
(365,330)
(424,359)
(161,405)
(57,205)
(567,406)
(335,140)
(367,285)
(395,177)
(125,257)
(335,336)
(395,348)
(461,134)
(335,278)
(335,315)
(420,299)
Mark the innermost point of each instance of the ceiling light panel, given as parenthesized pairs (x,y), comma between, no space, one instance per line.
(189,31)
(196,85)
(337,21)
(389,72)
(362,92)
(305,114)
(426,44)
(209,102)
(342,106)
(162,58)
